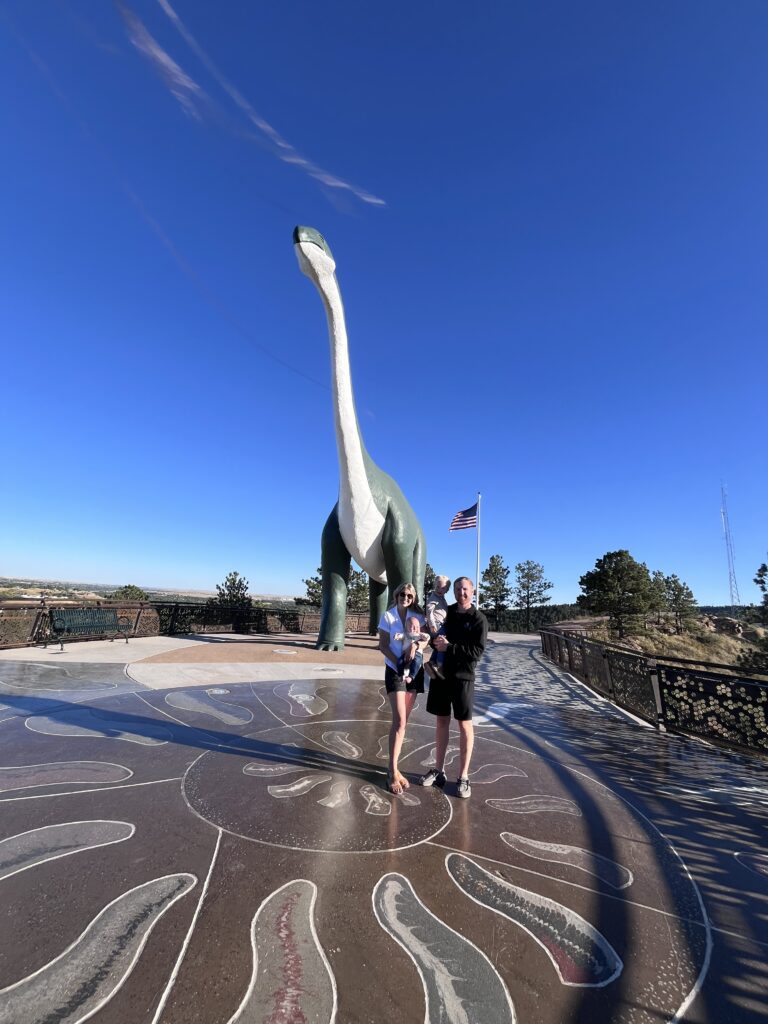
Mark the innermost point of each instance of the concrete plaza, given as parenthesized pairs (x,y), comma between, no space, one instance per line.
(198,830)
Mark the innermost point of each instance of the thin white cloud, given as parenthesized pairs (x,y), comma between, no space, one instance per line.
(207,293)
(186,91)
(191,95)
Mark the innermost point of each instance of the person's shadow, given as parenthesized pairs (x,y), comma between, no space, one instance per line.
(110,723)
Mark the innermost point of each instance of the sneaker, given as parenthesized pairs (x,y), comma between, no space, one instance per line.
(463,789)
(433,778)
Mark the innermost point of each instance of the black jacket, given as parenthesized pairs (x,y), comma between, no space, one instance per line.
(466,632)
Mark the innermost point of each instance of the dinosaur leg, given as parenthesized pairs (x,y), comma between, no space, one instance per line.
(419,565)
(377,604)
(334,570)
(397,549)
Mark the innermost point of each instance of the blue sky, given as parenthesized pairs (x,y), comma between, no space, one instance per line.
(559,302)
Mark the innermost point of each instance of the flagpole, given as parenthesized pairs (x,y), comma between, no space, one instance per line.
(477,576)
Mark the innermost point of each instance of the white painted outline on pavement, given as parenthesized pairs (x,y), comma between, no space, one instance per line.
(304,849)
(188,938)
(68,853)
(69,782)
(139,949)
(80,792)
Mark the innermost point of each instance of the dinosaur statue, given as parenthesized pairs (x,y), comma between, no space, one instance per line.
(372,522)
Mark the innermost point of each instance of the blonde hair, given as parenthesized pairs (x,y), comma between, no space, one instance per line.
(443,581)
(412,590)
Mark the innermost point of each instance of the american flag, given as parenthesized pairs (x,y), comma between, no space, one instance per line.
(465,520)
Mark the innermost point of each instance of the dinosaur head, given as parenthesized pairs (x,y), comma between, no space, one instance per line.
(314,255)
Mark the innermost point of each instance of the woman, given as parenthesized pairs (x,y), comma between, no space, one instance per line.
(401,694)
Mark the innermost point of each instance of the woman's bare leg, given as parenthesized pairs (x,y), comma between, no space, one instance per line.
(402,706)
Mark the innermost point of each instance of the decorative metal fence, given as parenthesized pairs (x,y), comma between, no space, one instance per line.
(23,625)
(632,684)
(723,707)
(730,710)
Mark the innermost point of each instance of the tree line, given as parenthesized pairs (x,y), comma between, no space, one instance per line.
(526,592)
(618,586)
(625,590)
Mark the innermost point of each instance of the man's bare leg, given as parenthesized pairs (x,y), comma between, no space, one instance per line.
(466,743)
(442,730)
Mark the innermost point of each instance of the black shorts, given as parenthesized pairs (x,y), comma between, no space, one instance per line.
(395,684)
(446,695)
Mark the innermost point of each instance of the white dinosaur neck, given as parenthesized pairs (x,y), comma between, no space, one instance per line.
(348,443)
(360,521)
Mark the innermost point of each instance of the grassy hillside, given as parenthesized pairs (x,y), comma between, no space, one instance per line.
(719,639)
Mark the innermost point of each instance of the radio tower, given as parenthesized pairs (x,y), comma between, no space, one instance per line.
(732,584)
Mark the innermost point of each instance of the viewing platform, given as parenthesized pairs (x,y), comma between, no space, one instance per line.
(203,833)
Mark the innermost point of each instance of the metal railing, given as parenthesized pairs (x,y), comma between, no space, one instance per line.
(24,625)
(727,707)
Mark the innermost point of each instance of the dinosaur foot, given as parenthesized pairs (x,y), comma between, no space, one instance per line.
(329,645)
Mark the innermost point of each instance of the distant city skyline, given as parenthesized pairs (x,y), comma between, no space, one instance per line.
(550,236)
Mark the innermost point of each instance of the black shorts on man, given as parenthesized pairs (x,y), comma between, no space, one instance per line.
(451,695)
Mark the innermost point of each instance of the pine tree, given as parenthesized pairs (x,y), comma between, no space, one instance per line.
(530,589)
(130,592)
(357,590)
(314,587)
(619,587)
(233,591)
(757,661)
(658,595)
(761,579)
(681,602)
(232,600)
(496,589)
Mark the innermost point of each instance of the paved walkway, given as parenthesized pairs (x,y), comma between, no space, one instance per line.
(210,840)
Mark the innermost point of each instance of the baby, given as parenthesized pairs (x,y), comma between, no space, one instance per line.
(407,668)
(437,609)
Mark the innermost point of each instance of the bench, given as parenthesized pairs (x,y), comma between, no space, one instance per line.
(71,623)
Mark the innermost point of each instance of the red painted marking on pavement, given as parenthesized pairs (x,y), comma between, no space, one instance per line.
(288,997)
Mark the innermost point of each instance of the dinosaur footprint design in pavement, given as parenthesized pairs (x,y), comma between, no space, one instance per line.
(88,973)
(581,956)
(206,704)
(608,871)
(461,986)
(302,699)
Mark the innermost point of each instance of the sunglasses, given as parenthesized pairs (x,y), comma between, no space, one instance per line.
(404,597)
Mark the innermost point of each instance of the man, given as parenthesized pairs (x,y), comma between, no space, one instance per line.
(465,633)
